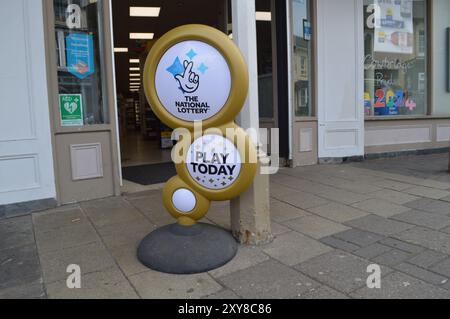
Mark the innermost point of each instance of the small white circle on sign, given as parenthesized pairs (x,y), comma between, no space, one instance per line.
(184,200)
(214,162)
(193,81)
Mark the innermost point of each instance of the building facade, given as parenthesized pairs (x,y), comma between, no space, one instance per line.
(340,79)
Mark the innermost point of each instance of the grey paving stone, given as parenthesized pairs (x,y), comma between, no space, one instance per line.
(91,257)
(278,229)
(393,185)
(339,270)
(400,286)
(427,258)
(398,244)
(392,257)
(106,284)
(428,238)
(338,212)
(443,268)
(431,205)
(421,218)
(339,244)
(427,192)
(342,196)
(16,232)
(372,251)
(282,212)
(380,208)
(324,292)
(359,187)
(379,225)
(422,274)
(277,190)
(66,237)
(302,200)
(126,258)
(316,227)
(293,248)
(446,199)
(19,266)
(34,290)
(359,237)
(54,219)
(245,258)
(446,230)
(259,282)
(223,295)
(156,285)
(394,196)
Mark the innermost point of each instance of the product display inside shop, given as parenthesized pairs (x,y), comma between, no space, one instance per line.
(395,57)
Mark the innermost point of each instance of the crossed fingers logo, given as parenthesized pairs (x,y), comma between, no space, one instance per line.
(189,81)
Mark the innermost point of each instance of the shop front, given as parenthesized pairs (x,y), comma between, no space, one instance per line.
(339,79)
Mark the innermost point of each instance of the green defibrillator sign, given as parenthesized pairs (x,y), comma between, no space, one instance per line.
(71,108)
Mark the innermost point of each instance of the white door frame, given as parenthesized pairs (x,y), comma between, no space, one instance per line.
(26,155)
(340,78)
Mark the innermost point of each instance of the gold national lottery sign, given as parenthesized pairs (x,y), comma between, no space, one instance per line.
(193,74)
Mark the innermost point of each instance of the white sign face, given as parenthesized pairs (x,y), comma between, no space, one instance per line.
(193,81)
(214,162)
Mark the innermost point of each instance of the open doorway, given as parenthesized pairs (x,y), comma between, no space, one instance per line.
(145,142)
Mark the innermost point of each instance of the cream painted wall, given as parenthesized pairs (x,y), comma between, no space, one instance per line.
(440,21)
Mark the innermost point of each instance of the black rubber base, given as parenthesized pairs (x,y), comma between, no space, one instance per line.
(176,249)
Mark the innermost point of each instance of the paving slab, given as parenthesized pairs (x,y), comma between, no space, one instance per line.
(339,244)
(427,238)
(372,251)
(91,258)
(225,294)
(259,282)
(126,258)
(400,286)
(443,268)
(427,192)
(425,219)
(324,293)
(246,257)
(379,225)
(282,212)
(398,244)
(380,208)
(66,237)
(54,219)
(427,258)
(431,206)
(394,196)
(34,290)
(393,185)
(105,284)
(392,257)
(422,274)
(19,266)
(342,196)
(358,237)
(302,200)
(156,285)
(359,187)
(16,232)
(278,229)
(293,248)
(315,226)
(339,270)
(338,212)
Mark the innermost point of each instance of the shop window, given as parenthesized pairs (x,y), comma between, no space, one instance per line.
(395,57)
(80,65)
(302,56)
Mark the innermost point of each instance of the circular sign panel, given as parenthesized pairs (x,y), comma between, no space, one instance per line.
(214,162)
(193,81)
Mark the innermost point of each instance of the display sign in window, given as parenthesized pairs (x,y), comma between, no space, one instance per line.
(80,65)
(395,57)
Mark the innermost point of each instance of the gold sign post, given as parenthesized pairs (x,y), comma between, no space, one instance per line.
(196,82)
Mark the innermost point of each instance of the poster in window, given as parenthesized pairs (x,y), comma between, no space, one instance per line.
(394,29)
(80,54)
